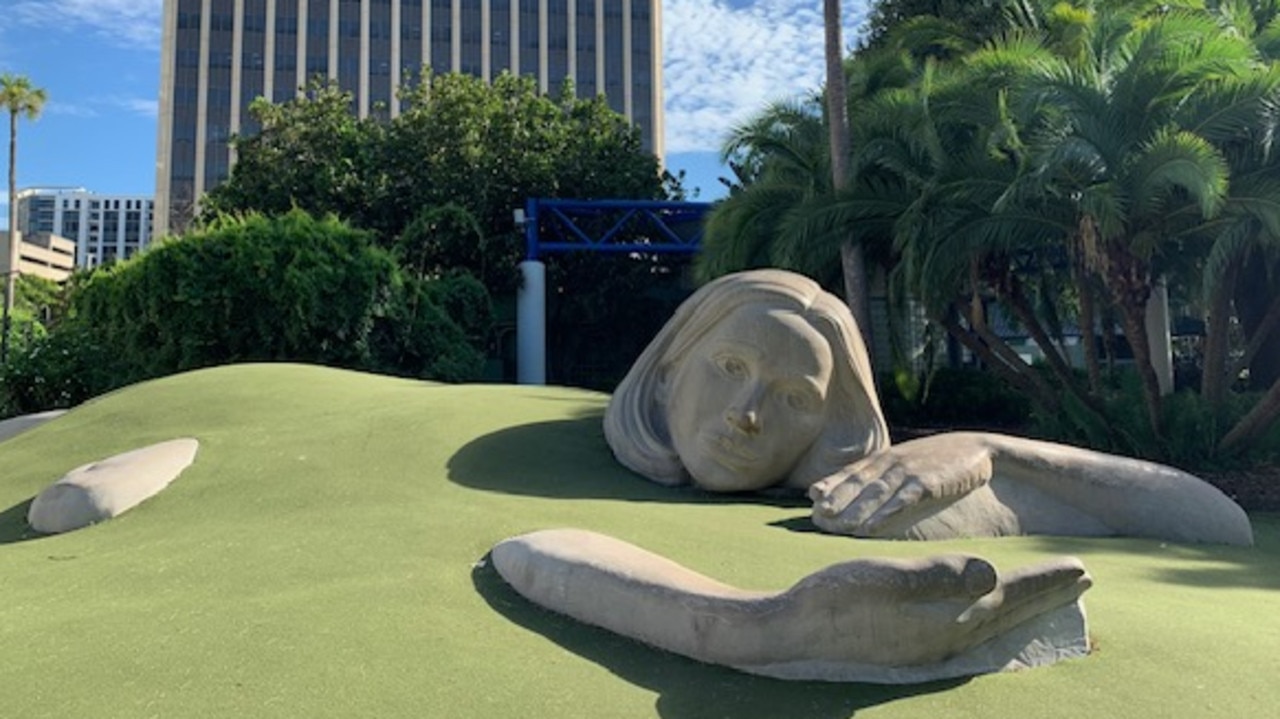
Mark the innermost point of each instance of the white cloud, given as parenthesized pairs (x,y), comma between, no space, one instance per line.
(130,23)
(144,107)
(69,110)
(724,61)
(99,106)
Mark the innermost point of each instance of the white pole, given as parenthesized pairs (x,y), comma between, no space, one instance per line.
(531,324)
(1158,339)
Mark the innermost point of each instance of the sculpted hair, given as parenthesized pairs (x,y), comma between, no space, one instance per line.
(635,422)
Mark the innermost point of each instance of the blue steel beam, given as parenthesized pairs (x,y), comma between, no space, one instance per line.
(633,231)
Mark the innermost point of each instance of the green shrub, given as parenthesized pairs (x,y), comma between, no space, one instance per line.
(57,370)
(1191,428)
(244,289)
(465,301)
(418,338)
(953,397)
(287,288)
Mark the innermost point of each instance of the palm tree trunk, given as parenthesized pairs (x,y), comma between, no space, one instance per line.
(1088,340)
(1129,280)
(852,263)
(1027,384)
(1080,249)
(1214,376)
(1135,330)
(1262,333)
(1255,290)
(10,277)
(1022,310)
(1011,292)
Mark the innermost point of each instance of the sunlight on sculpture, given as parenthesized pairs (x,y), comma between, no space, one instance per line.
(761,380)
(101,490)
(869,620)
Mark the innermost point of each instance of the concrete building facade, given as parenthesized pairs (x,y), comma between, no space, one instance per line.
(42,254)
(219,55)
(104,228)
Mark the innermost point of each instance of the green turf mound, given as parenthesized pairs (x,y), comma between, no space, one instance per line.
(323,557)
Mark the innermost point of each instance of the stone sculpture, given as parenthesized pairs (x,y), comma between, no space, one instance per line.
(101,490)
(868,620)
(15,426)
(761,380)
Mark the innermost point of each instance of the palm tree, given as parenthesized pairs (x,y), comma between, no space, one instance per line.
(21,98)
(1060,167)
(781,157)
(1244,257)
(1119,129)
(852,261)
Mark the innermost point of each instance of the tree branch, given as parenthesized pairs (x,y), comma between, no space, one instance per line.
(1255,423)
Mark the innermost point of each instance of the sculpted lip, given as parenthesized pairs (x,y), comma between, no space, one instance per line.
(727,451)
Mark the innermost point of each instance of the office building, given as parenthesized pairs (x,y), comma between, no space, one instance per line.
(219,55)
(103,227)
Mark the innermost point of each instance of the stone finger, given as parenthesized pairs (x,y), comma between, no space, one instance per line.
(866,504)
(908,497)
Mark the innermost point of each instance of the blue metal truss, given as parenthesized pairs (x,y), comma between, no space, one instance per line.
(620,226)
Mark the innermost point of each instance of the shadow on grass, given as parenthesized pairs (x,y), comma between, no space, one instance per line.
(802,525)
(569,459)
(688,689)
(13,524)
(1201,565)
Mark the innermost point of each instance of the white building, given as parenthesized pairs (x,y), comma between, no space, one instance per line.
(104,227)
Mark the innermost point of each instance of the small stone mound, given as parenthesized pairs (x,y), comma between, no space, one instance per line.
(17,425)
(101,490)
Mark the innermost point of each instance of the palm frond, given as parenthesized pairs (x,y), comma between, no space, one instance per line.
(1177,160)
(1237,109)
(1230,244)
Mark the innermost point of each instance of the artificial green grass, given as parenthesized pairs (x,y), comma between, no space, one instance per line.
(323,557)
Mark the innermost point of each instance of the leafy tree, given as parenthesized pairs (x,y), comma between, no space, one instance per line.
(487,147)
(311,153)
(440,238)
(19,97)
(461,144)
(975,20)
(438,184)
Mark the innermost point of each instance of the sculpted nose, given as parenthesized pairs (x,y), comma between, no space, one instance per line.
(747,422)
(744,415)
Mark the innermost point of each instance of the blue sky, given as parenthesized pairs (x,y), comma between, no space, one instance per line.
(99,62)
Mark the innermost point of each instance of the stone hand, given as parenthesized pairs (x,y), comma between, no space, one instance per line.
(880,620)
(884,493)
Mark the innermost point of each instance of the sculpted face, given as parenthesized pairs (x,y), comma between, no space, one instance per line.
(749,398)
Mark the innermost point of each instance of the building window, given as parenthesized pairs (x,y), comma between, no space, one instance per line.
(557,42)
(529,37)
(441,36)
(586,49)
(471,37)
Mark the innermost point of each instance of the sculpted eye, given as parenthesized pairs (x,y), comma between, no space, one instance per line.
(801,400)
(732,366)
